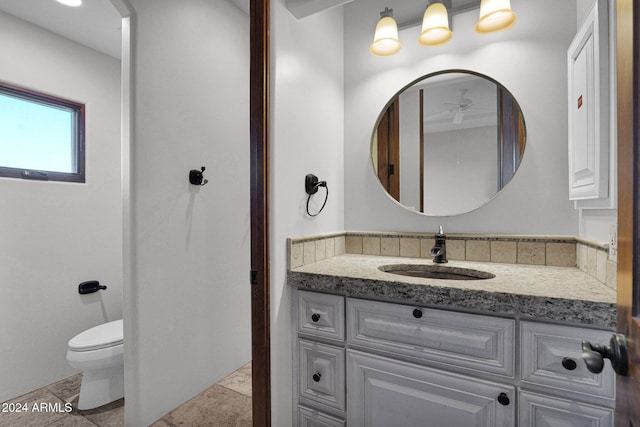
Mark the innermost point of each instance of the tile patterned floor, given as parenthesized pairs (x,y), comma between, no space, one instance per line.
(225,404)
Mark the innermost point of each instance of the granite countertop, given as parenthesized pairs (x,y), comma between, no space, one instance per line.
(563,294)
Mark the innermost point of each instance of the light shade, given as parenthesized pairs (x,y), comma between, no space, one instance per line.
(495,15)
(385,40)
(72,3)
(435,26)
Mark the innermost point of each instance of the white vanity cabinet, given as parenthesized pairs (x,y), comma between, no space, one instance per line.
(369,363)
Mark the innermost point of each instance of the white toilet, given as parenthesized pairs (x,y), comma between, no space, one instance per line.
(99,353)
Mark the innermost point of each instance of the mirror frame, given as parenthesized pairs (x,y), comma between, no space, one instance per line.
(397,94)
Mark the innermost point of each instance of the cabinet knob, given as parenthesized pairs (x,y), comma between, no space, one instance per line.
(315,317)
(503,399)
(417,313)
(569,364)
(316,377)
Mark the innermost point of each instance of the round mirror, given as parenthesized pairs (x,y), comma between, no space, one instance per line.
(448,143)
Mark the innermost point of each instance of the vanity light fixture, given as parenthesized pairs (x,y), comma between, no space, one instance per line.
(72,3)
(435,26)
(495,15)
(385,40)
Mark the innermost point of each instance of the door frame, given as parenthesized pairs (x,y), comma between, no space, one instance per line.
(388,147)
(628,106)
(260,220)
(259,149)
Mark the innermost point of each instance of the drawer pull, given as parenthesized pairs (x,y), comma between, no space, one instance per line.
(316,377)
(315,317)
(569,364)
(417,313)
(503,399)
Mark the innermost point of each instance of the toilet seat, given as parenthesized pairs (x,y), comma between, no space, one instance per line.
(102,336)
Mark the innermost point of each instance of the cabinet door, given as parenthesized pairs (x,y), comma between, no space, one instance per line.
(542,411)
(321,315)
(383,392)
(313,418)
(321,378)
(551,362)
(589,108)
(456,341)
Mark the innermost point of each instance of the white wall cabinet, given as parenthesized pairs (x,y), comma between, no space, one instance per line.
(588,76)
(385,364)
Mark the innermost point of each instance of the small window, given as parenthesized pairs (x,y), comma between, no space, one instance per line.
(41,136)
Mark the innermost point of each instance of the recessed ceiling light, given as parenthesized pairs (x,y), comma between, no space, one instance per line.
(72,3)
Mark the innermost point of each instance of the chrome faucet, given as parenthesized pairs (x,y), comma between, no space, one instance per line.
(439,250)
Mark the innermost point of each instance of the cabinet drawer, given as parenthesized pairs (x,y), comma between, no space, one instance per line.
(321,315)
(542,411)
(467,341)
(321,374)
(545,347)
(308,417)
(384,392)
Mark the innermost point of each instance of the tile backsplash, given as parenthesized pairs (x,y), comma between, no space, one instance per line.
(560,251)
(593,258)
(537,250)
(307,250)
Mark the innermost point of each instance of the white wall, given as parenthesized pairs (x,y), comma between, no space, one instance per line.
(460,169)
(187,313)
(306,137)
(528,59)
(56,235)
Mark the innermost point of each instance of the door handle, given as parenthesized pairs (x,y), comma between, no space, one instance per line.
(594,355)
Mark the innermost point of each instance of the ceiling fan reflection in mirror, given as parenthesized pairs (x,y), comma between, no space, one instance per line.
(456,110)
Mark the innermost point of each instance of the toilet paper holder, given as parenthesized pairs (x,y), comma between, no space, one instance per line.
(90,287)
